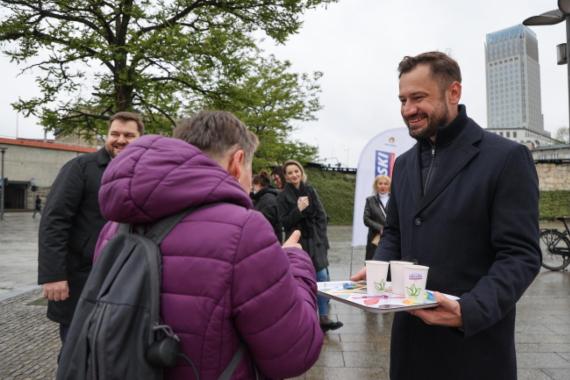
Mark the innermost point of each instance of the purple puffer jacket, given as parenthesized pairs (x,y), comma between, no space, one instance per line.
(225,276)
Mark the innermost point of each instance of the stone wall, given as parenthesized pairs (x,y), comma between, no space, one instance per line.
(553,176)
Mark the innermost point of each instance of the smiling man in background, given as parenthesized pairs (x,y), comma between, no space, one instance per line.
(71,221)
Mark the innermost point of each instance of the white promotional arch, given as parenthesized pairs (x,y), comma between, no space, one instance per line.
(377,158)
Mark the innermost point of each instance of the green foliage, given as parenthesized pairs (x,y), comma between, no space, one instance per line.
(268,99)
(554,204)
(93,58)
(336,191)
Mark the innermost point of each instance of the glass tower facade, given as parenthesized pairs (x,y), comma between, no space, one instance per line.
(513,80)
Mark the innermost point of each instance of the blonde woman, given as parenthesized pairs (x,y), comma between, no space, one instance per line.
(300,208)
(375,213)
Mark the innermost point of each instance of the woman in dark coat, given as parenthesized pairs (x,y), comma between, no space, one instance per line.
(265,201)
(300,209)
(375,213)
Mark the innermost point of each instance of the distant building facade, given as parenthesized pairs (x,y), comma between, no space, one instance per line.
(31,167)
(514,108)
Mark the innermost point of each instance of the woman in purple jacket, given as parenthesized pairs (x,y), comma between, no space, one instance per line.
(226,280)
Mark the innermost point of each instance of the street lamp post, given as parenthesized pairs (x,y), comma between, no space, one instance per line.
(552,18)
(2,150)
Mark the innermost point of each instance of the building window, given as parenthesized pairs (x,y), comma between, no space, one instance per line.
(508,134)
(515,135)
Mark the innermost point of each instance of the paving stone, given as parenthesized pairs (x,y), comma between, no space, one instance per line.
(319,373)
(366,360)
(557,374)
(330,359)
(532,374)
(541,360)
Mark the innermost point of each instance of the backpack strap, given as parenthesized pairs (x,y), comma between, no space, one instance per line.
(232,365)
(158,231)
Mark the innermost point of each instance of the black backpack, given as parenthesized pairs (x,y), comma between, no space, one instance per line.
(116,332)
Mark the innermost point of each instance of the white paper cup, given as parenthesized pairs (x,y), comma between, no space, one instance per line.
(397,275)
(376,273)
(415,278)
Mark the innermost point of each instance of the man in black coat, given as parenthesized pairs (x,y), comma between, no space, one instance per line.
(71,221)
(464,202)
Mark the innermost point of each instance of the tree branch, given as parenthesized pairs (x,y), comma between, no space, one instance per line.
(150,107)
(186,83)
(47,38)
(179,16)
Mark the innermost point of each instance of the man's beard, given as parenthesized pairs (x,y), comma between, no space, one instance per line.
(113,151)
(436,119)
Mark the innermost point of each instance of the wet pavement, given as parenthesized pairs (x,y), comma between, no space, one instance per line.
(29,343)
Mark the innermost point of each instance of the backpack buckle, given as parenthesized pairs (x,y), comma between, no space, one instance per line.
(164,350)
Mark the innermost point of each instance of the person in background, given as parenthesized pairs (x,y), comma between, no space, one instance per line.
(278,177)
(265,201)
(300,209)
(227,282)
(375,213)
(464,202)
(71,221)
(37,206)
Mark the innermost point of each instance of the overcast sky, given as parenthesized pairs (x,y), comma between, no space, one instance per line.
(357,44)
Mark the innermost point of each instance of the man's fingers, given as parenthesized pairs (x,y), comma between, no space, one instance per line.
(359,276)
(423,315)
(56,291)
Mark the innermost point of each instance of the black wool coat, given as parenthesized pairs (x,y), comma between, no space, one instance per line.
(374,219)
(69,229)
(476,228)
(265,201)
(313,227)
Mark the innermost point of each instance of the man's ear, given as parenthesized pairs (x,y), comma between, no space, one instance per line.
(235,164)
(454,93)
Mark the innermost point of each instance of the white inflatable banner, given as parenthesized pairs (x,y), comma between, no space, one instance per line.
(377,158)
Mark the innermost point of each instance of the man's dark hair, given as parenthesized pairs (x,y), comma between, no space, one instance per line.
(125,116)
(216,133)
(444,68)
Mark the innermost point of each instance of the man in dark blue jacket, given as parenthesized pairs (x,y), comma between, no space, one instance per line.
(465,203)
(71,221)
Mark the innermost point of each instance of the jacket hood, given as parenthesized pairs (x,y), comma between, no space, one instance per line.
(262,192)
(158,176)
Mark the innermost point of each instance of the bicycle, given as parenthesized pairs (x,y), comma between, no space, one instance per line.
(555,247)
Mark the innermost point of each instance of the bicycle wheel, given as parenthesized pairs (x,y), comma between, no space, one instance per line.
(553,245)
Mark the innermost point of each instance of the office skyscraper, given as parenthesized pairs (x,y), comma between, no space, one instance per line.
(513,85)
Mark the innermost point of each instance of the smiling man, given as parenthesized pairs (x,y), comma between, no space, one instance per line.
(71,221)
(464,202)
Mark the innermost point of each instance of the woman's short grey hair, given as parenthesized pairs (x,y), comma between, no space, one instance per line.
(217,133)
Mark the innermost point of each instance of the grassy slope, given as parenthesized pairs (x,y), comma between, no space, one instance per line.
(336,191)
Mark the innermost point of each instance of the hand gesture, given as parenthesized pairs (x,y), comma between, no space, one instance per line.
(293,241)
(56,291)
(302,203)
